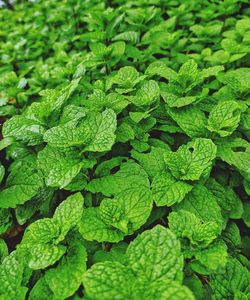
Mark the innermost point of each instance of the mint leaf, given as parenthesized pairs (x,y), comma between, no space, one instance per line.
(22,184)
(66,278)
(193,160)
(11,272)
(131,176)
(235,152)
(187,225)
(109,279)
(102,128)
(24,129)
(191,120)
(44,255)
(224,118)
(155,255)
(40,290)
(233,280)
(68,135)
(59,166)
(166,190)
(93,228)
(203,204)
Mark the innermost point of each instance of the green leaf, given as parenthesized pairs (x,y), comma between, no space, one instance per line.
(59,166)
(6,220)
(136,205)
(103,128)
(68,135)
(187,225)
(11,275)
(3,250)
(109,280)
(171,290)
(93,228)
(152,162)
(211,71)
(66,278)
(69,213)
(191,120)
(233,279)
(41,231)
(148,93)
(72,114)
(112,214)
(41,290)
(23,129)
(188,72)
(160,69)
(193,160)
(166,190)
(228,200)
(203,204)
(224,118)
(124,133)
(156,255)
(44,255)
(131,176)
(235,152)
(22,184)
(246,214)
(210,260)
(126,77)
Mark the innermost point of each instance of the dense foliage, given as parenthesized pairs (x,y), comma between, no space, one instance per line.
(125,155)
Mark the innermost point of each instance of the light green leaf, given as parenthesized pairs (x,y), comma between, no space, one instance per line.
(235,152)
(11,276)
(41,231)
(171,290)
(211,259)
(193,160)
(166,190)
(156,255)
(147,94)
(152,162)
(203,204)
(187,225)
(72,114)
(112,214)
(191,120)
(24,129)
(224,118)
(136,205)
(126,77)
(103,128)
(211,71)
(68,135)
(109,280)
(160,69)
(44,255)
(130,177)
(233,279)
(68,213)
(66,278)
(93,228)
(59,166)
(22,184)
(188,72)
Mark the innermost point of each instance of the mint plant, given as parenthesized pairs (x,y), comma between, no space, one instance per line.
(124,150)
